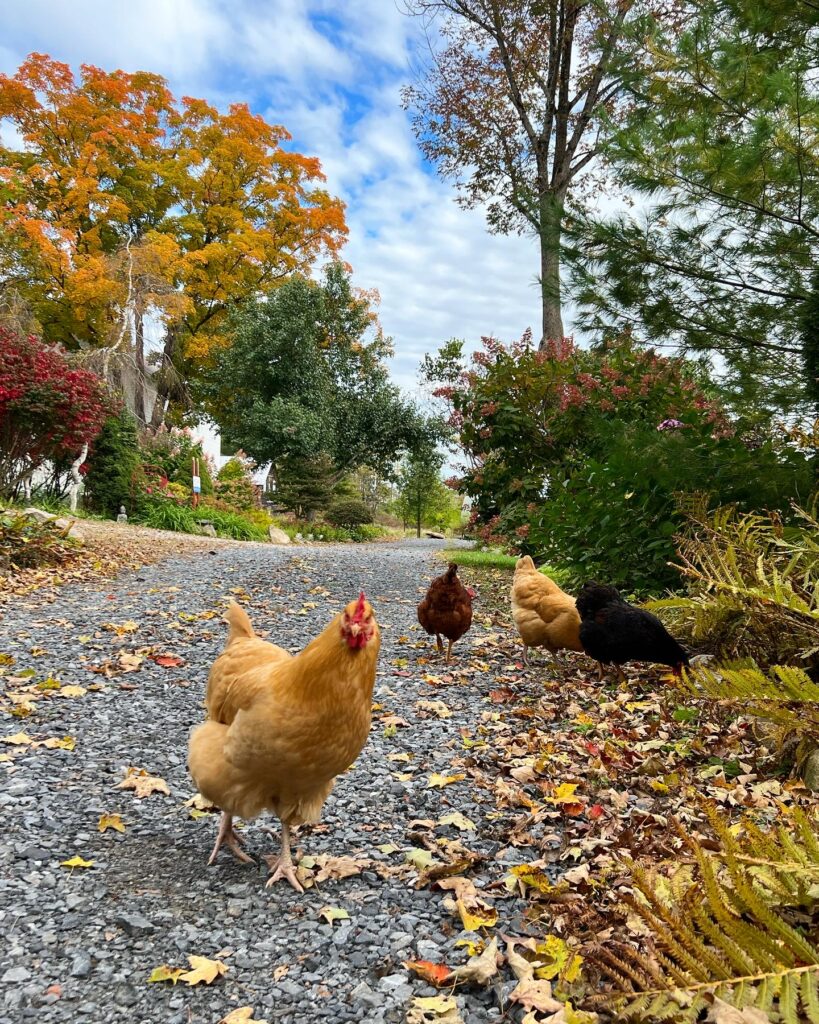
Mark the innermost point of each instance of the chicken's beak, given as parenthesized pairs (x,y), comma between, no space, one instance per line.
(355,629)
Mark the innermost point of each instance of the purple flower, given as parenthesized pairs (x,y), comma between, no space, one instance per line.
(671,425)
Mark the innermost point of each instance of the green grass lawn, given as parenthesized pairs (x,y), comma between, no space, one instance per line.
(495,560)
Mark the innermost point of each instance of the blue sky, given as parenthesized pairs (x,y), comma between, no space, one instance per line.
(331,73)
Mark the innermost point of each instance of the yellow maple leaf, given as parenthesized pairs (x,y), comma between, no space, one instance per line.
(113,821)
(121,628)
(55,743)
(76,862)
(458,820)
(165,973)
(440,1009)
(477,916)
(564,794)
(72,691)
(203,970)
(440,781)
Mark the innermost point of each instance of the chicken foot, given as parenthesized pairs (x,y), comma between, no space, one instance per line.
(227,836)
(282,866)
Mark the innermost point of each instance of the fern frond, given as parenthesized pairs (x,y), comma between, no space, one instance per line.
(738,930)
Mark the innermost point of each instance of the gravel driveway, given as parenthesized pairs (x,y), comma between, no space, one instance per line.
(79,944)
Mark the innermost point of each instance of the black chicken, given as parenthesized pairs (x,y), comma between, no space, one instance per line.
(614,631)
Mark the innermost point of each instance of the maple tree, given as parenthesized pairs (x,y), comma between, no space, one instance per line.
(124,204)
(515,105)
(49,409)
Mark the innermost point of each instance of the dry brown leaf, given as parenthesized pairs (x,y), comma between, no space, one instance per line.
(723,1013)
(480,968)
(142,783)
(339,867)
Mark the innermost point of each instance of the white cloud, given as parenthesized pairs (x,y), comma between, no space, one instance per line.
(331,74)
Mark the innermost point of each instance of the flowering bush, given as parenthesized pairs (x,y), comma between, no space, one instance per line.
(580,456)
(166,457)
(48,408)
(524,416)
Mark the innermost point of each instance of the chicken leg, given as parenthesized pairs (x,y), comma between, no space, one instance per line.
(449,652)
(282,866)
(439,643)
(228,837)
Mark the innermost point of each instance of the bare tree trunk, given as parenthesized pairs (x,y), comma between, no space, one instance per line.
(76,479)
(551,217)
(139,360)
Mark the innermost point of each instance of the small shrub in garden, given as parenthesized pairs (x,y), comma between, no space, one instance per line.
(48,408)
(26,542)
(234,484)
(114,473)
(167,456)
(349,512)
(167,515)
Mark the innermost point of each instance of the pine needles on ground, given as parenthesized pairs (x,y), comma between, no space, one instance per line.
(734,928)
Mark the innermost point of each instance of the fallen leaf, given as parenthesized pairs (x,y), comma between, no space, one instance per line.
(420,859)
(331,914)
(168,660)
(203,970)
(339,867)
(723,1013)
(434,1010)
(121,629)
(19,739)
(201,803)
(72,691)
(165,973)
(480,968)
(55,743)
(113,821)
(434,707)
(443,780)
(481,915)
(458,820)
(142,783)
(76,862)
(436,974)
(241,1015)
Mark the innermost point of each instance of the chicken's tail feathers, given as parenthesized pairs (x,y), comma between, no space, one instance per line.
(240,626)
(452,571)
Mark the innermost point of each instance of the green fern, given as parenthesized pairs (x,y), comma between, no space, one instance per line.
(784,695)
(738,928)
(753,585)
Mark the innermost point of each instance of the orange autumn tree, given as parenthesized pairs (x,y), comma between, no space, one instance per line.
(123,206)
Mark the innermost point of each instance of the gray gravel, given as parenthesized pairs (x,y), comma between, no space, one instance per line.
(79,945)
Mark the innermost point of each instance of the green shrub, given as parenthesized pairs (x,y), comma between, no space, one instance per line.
(234,484)
(348,513)
(616,517)
(115,476)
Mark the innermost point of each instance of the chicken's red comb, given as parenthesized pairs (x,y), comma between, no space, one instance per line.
(358,615)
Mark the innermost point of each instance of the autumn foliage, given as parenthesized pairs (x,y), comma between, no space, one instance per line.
(126,203)
(48,409)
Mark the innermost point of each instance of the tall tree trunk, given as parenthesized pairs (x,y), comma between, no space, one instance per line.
(139,360)
(551,224)
(163,389)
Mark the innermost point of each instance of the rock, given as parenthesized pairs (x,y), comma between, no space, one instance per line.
(364,994)
(277,536)
(16,975)
(68,526)
(134,924)
(207,528)
(433,535)
(81,966)
(809,769)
